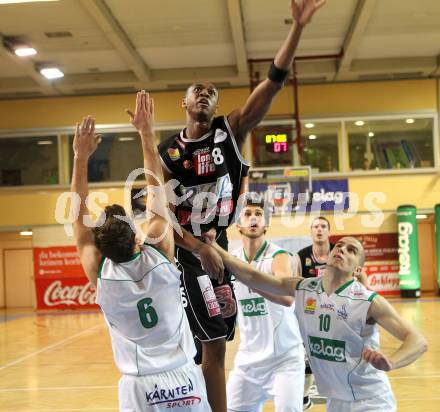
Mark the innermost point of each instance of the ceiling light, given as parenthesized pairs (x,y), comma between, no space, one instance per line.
(421,216)
(410,121)
(126,139)
(312,137)
(44,142)
(359,123)
(22,1)
(26,233)
(25,51)
(310,125)
(51,73)
(370,134)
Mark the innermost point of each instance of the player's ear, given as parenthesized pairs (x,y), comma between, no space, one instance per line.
(184,102)
(238,227)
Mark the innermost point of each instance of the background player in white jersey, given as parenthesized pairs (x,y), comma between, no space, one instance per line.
(338,320)
(269,363)
(138,286)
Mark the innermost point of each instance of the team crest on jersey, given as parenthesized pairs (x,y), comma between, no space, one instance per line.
(313,284)
(174,153)
(310,306)
(308,262)
(342,313)
(220,136)
(187,164)
(204,162)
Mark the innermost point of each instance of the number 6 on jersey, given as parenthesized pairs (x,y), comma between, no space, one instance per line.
(147,313)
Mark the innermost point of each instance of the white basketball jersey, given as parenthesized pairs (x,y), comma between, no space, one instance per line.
(268,331)
(142,306)
(335,332)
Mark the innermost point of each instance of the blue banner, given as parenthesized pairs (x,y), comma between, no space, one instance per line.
(288,197)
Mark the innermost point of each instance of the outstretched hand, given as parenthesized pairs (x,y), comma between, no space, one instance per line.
(143,117)
(303,10)
(85,140)
(377,359)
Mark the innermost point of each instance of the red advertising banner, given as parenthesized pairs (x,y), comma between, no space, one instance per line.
(60,279)
(381,261)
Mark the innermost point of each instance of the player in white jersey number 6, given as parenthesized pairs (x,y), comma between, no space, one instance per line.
(338,320)
(138,285)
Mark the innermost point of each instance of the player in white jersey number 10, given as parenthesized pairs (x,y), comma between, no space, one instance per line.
(338,320)
(138,285)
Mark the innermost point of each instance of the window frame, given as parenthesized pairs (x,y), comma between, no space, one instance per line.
(63,162)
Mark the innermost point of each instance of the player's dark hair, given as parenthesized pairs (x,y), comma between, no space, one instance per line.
(321,218)
(253,200)
(115,238)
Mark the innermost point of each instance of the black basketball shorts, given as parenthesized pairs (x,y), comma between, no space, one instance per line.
(211,307)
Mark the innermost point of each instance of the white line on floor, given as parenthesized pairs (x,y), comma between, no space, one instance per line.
(57,388)
(54,345)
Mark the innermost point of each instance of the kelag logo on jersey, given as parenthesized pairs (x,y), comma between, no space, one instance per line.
(328,349)
(204,162)
(253,307)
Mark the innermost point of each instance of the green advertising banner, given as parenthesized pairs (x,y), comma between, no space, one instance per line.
(437,241)
(409,271)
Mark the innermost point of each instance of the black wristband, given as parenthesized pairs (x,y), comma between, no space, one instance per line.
(277,75)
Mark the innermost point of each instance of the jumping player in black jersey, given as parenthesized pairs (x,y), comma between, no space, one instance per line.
(205,158)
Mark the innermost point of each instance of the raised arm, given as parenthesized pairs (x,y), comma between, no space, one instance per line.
(413,343)
(280,269)
(258,103)
(85,142)
(247,274)
(157,228)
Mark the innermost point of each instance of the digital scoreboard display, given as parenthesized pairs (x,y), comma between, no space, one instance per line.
(276,143)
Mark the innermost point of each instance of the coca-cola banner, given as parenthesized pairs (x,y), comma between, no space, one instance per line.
(60,279)
(381,261)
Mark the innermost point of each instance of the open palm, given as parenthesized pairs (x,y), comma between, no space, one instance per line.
(303,10)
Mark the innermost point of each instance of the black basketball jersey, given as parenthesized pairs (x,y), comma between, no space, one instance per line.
(310,267)
(209,172)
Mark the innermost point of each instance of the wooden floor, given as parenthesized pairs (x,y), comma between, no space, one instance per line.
(63,362)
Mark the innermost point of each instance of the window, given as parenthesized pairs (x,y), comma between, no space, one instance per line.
(390,144)
(117,155)
(28,161)
(273,145)
(320,146)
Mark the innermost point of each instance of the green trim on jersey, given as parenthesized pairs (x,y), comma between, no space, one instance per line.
(139,280)
(279,252)
(159,251)
(299,283)
(373,295)
(349,373)
(344,286)
(135,256)
(101,264)
(258,254)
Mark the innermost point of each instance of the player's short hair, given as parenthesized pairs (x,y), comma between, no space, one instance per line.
(115,238)
(320,218)
(254,199)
